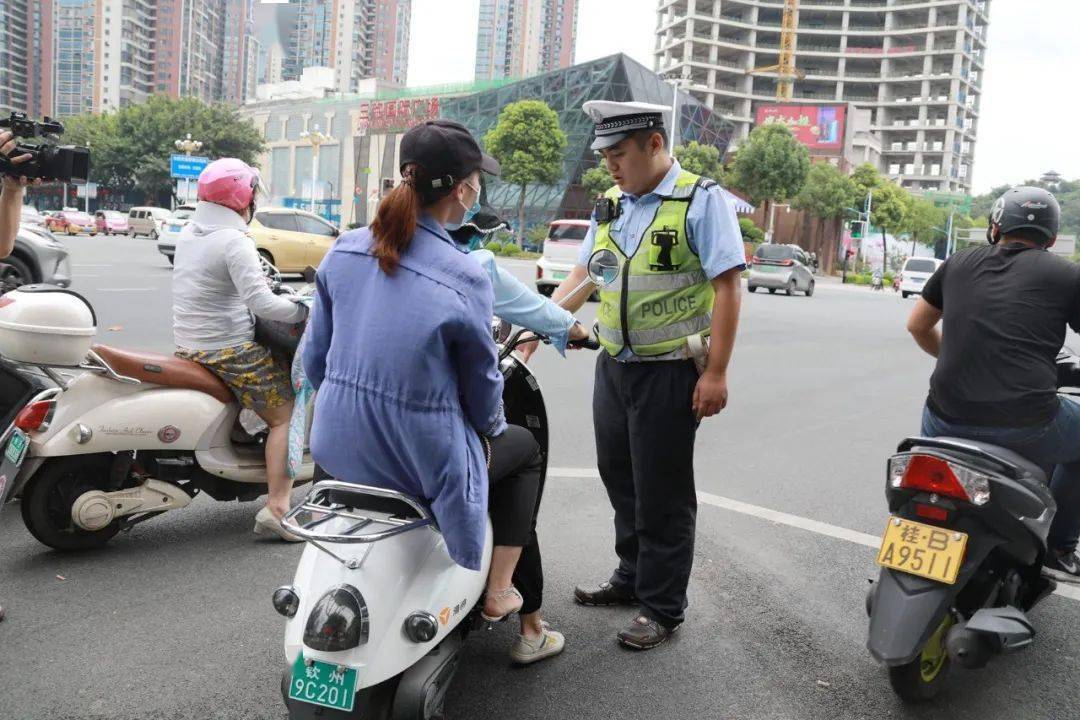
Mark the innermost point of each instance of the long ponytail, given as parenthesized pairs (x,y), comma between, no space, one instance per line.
(395,220)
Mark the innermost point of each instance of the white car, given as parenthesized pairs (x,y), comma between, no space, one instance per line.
(561,248)
(916,272)
(170,231)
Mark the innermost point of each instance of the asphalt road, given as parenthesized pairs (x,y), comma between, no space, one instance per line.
(173,620)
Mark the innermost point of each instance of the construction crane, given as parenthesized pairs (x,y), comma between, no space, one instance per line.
(785,68)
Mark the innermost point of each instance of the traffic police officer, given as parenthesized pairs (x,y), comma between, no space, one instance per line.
(681,250)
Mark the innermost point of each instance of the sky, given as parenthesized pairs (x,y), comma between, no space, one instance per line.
(1028,87)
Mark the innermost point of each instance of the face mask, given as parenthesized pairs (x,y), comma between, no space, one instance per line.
(470,212)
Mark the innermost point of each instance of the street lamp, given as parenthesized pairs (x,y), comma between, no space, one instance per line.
(315,138)
(772,220)
(188,147)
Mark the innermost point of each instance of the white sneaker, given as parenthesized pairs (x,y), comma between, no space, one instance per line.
(529,650)
(267,524)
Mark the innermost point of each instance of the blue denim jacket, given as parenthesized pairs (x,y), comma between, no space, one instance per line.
(407,377)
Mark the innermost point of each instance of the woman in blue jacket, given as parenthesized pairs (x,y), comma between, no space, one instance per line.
(409,392)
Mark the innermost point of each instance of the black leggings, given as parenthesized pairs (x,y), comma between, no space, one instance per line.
(515,486)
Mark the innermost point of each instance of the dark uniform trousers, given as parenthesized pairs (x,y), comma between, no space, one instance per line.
(645,428)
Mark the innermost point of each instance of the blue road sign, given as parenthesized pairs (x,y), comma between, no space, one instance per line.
(188,166)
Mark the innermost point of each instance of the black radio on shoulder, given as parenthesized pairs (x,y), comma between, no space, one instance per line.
(605,210)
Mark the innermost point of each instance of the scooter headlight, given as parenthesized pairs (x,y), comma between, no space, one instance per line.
(286,601)
(421,627)
(339,621)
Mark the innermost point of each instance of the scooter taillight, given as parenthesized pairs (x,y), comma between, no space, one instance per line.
(338,621)
(937,475)
(36,416)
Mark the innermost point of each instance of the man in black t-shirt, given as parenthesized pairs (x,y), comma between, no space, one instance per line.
(1005,308)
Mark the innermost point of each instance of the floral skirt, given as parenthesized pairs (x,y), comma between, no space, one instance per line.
(249,370)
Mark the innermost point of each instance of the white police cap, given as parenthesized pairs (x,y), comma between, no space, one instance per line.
(616,120)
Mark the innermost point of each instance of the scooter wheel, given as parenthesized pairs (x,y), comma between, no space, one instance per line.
(48,497)
(922,679)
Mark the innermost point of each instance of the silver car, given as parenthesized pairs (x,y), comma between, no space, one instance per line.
(781,267)
(38,257)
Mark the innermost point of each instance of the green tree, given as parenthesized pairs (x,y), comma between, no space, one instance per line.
(771,166)
(751,233)
(889,211)
(529,144)
(866,178)
(1070,211)
(701,160)
(130,148)
(925,221)
(827,194)
(597,180)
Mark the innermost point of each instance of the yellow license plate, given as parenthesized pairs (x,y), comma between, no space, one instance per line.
(923,550)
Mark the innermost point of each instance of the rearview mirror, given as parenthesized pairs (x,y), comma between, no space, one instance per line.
(604,267)
(309,274)
(500,330)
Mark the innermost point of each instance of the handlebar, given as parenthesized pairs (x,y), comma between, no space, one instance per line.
(519,338)
(589,343)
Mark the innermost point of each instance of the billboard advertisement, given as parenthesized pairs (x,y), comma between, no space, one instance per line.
(819,127)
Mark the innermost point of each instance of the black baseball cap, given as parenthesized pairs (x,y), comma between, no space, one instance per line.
(447,151)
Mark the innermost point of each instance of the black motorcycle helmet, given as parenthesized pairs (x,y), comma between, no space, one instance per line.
(1029,209)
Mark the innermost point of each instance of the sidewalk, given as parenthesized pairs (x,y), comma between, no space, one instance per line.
(830,282)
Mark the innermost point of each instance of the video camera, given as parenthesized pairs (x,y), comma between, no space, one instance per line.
(49,160)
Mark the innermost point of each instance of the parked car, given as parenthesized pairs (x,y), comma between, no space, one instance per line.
(111,222)
(292,239)
(167,241)
(915,274)
(561,248)
(781,267)
(70,221)
(287,238)
(147,221)
(38,257)
(30,216)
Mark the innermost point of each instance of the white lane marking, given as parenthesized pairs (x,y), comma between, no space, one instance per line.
(815,526)
(80,265)
(142,289)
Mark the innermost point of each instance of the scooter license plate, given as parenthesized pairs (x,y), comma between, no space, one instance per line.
(923,550)
(321,683)
(559,274)
(14,454)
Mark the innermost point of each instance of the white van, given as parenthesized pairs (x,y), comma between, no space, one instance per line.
(916,272)
(147,221)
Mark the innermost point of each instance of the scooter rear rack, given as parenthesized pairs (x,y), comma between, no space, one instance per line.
(367,525)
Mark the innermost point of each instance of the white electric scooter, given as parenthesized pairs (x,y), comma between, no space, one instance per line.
(132,434)
(377,612)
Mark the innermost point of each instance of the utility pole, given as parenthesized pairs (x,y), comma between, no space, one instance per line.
(676,83)
(949,233)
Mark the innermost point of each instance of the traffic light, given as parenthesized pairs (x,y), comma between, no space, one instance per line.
(857,230)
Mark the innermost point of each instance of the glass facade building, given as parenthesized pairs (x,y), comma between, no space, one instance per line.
(361,160)
(617,78)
